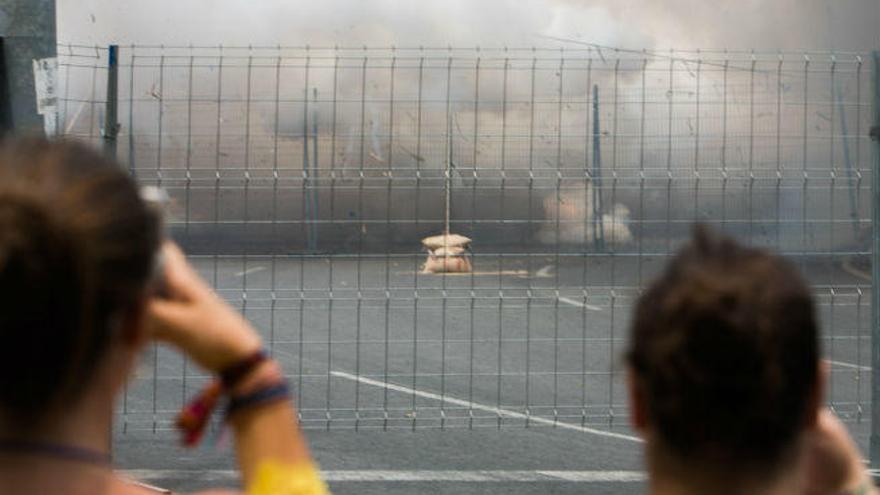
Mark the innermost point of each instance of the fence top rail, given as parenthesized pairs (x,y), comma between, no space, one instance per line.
(578,51)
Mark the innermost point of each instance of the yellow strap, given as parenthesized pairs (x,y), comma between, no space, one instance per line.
(275,478)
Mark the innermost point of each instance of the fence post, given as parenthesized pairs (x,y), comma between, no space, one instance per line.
(875,264)
(111,124)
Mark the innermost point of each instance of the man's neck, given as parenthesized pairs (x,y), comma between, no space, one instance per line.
(666,478)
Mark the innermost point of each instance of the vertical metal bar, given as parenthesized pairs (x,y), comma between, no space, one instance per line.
(189,143)
(830,260)
(805,131)
(670,95)
(132,161)
(274,227)
(306,233)
(875,267)
(750,203)
(473,298)
(857,140)
(334,113)
(503,200)
(217,154)
(697,141)
(188,194)
(639,240)
(559,178)
(332,216)
(160,97)
(531,191)
(388,233)
(587,207)
(111,124)
(859,350)
(598,234)
(131,168)
(779,153)
(613,281)
(160,101)
(418,159)
(448,199)
(247,185)
(360,246)
(611,361)
(307,170)
(499,368)
(724,176)
(614,132)
(315,175)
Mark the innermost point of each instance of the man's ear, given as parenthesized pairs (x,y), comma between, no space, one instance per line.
(638,414)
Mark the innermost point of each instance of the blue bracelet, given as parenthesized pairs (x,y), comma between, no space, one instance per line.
(261,396)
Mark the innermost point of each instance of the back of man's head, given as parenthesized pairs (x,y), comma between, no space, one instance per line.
(724,353)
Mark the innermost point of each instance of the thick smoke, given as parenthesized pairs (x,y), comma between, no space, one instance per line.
(735,24)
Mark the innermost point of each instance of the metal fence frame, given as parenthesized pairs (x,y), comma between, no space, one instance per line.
(614,184)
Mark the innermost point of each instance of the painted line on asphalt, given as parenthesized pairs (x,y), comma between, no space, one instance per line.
(850,365)
(250,270)
(545,272)
(578,304)
(482,407)
(229,476)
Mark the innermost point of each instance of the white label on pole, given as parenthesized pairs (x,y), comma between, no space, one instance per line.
(45,85)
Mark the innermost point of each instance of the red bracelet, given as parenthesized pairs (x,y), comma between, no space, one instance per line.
(230,376)
(193,418)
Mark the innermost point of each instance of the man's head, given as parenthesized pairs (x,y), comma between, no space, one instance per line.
(724,357)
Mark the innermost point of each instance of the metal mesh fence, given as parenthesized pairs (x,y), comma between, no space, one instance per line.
(303,180)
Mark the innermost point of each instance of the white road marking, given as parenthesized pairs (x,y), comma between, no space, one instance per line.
(482,407)
(250,270)
(229,475)
(579,304)
(850,365)
(544,272)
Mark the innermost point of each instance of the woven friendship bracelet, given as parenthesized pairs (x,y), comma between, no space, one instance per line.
(263,395)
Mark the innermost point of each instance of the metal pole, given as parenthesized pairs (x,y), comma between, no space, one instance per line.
(875,267)
(111,124)
(28,29)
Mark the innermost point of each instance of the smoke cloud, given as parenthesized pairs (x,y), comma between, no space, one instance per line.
(735,24)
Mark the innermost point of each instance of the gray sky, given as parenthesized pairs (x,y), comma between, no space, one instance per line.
(735,24)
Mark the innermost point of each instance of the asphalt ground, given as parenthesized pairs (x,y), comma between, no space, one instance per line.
(509,379)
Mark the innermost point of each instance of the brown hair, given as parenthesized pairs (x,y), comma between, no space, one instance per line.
(725,352)
(76,250)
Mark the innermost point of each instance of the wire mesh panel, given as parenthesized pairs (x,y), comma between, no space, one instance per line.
(303,181)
